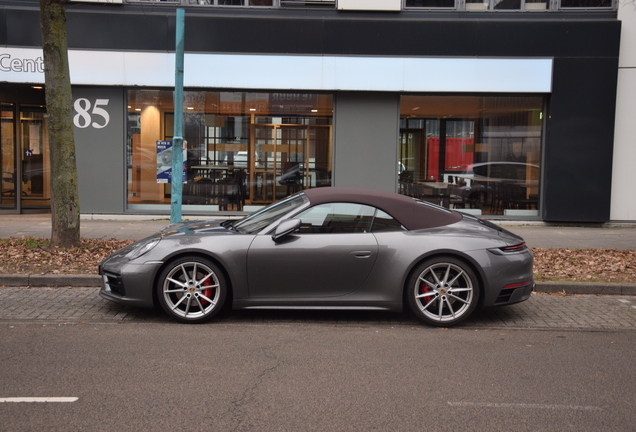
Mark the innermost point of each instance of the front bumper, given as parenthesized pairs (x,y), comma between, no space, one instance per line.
(128,283)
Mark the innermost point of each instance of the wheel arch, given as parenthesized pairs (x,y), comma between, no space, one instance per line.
(192,253)
(440,254)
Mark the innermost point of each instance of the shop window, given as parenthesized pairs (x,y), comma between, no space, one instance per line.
(503,5)
(7,157)
(158,1)
(232,2)
(24,158)
(506,4)
(309,3)
(477,5)
(245,2)
(430,3)
(536,5)
(478,154)
(587,4)
(241,149)
(269,3)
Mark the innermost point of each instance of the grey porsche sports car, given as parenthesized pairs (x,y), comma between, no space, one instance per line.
(326,248)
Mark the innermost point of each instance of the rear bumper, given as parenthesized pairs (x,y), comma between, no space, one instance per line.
(508,296)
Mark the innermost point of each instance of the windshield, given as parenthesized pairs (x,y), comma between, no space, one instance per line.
(263,218)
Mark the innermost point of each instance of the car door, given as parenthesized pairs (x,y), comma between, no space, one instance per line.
(332,255)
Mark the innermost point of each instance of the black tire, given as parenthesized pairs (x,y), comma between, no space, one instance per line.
(192,290)
(443,291)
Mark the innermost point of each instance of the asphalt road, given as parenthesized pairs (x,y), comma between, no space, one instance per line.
(552,363)
(314,377)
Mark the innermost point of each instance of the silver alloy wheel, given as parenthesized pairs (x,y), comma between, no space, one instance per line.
(444,293)
(191,290)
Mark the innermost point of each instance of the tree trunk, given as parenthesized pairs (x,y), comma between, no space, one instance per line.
(65,209)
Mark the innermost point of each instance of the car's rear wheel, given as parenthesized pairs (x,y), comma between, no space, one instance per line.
(192,289)
(443,291)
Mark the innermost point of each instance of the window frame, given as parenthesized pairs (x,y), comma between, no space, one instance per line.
(332,211)
(372,222)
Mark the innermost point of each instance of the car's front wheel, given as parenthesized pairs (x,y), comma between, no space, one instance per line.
(443,291)
(192,289)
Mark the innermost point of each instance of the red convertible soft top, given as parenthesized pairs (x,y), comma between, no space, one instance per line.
(410,212)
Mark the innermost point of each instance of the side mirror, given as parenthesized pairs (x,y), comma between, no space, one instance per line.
(285,227)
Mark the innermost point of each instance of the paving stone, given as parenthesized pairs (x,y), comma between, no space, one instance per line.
(540,311)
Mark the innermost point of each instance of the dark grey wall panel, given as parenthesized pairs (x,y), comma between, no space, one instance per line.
(3,27)
(578,160)
(256,35)
(23,28)
(582,38)
(100,151)
(365,141)
(136,32)
(294,32)
(277,35)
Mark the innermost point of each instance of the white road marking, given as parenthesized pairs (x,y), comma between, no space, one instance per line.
(38,399)
(522,405)
(624,301)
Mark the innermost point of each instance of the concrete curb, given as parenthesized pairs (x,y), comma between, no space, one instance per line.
(586,288)
(79,280)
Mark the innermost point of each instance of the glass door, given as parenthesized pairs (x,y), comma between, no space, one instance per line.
(293,175)
(34,160)
(7,157)
(280,161)
(266,164)
(289,158)
(318,172)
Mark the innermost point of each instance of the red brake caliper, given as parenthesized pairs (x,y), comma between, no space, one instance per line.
(207,292)
(425,289)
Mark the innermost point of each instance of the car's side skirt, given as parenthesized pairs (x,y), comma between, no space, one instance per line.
(319,307)
(315,305)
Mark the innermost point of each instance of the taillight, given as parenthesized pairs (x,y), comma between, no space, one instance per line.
(521,247)
(515,248)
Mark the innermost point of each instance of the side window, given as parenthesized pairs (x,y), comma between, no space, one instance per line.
(385,222)
(335,218)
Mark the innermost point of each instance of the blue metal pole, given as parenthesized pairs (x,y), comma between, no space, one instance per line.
(177,139)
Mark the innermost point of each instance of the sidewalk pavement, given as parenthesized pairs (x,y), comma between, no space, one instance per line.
(65,305)
(134,227)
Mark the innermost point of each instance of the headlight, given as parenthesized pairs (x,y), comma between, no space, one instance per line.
(142,247)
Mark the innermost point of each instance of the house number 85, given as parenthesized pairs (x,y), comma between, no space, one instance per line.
(85,115)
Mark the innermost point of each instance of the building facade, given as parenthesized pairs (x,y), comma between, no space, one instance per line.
(504,109)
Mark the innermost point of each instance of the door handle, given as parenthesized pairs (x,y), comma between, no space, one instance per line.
(361,254)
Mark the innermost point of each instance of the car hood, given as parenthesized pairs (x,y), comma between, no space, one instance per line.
(182,232)
(207,227)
